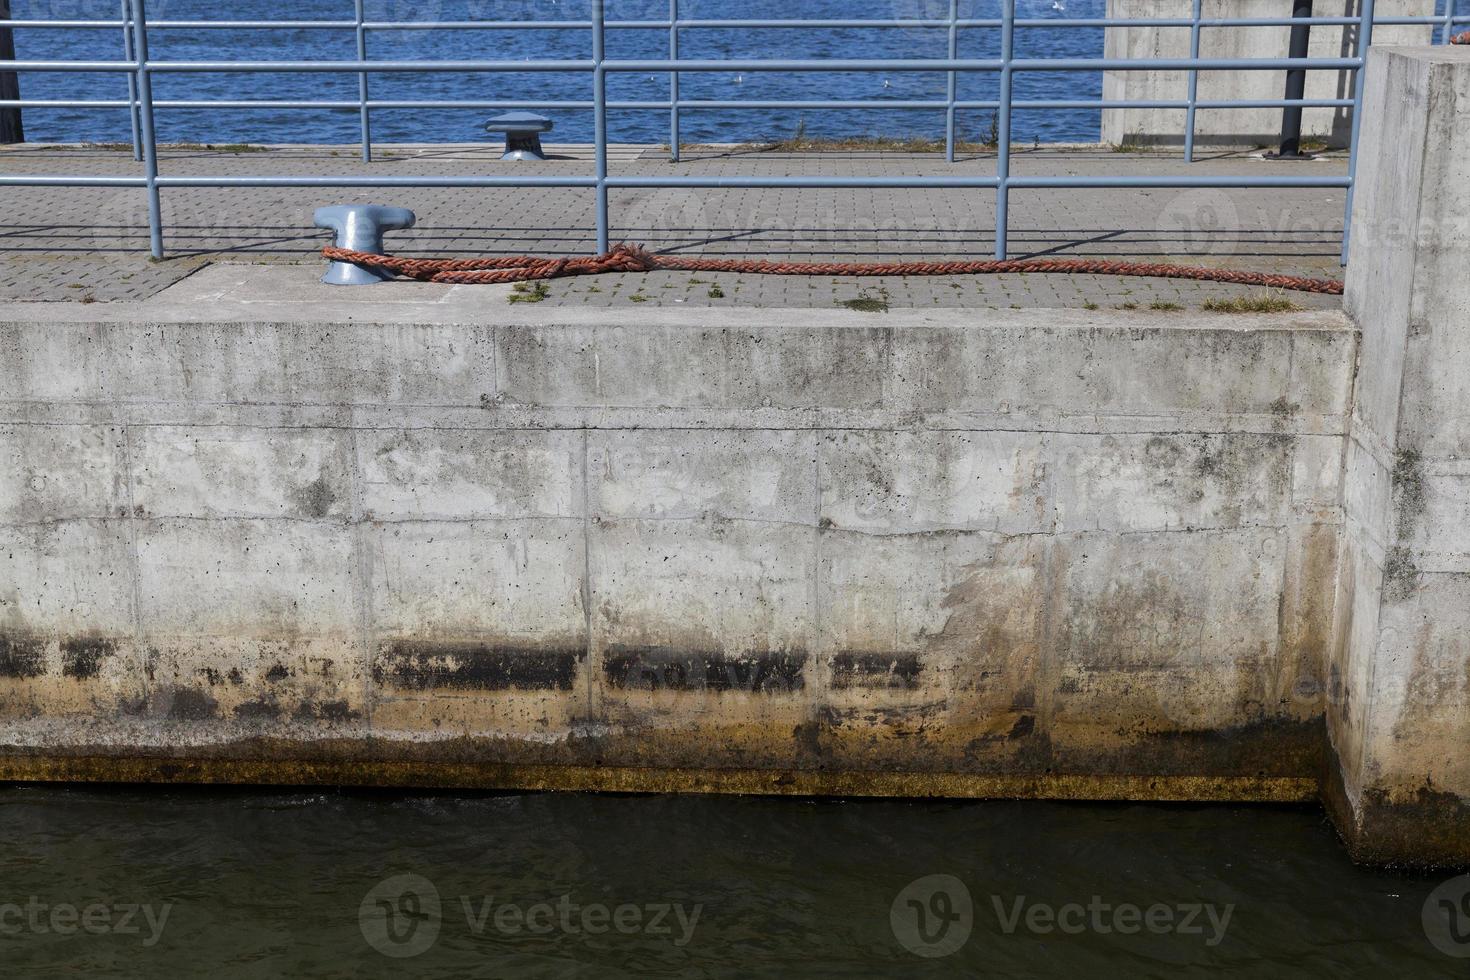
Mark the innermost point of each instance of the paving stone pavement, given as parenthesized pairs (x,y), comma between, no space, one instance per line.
(69,243)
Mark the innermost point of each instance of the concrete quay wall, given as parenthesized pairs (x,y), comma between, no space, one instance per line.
(1035,553)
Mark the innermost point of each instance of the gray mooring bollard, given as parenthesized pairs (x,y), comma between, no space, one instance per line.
(522,134)
(360,227)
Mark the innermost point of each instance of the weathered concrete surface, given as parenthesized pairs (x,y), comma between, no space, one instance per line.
(1239,127)
(384,536)
(1400,672)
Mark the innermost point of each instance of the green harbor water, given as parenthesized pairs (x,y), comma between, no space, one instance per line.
(239,883)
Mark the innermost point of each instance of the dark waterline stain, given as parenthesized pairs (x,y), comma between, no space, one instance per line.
(22,656)
(419,665)
(81,657)
(668,669)
(851,669)
(190,704)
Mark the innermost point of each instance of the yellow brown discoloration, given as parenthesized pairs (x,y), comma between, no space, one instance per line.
(256,684)
(427,775)
(78,674)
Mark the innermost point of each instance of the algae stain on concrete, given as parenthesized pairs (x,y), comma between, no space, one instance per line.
(316,498)
(1400,574)
(22,656)
(191,704)
(657,668)
(471,665)
(1408,489)
(82,657)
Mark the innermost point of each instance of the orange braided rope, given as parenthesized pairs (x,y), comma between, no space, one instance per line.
(634,258)
(1461,38)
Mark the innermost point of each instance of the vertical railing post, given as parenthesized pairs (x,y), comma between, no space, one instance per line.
(146,129)
(132,79)
(362,87)
(1296,82)
(599,121)
(953,80)
(12,127)
(1365,38)
(1448,31)
(1189,114)
(1003,136)
(674,81)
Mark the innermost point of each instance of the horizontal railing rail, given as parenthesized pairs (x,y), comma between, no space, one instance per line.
(139,68)
(494,25)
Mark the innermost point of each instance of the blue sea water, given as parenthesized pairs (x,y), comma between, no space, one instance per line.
(412,125)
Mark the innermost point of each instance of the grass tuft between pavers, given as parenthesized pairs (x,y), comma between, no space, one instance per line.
(1257,303)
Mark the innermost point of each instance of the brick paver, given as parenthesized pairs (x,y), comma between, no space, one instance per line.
(67,243)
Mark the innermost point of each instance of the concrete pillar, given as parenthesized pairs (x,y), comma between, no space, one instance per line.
(1399,674)
(1237,127)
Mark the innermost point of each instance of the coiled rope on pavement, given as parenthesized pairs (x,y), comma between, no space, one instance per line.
(625,257)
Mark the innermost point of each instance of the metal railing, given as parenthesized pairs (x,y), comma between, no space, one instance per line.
(140,68)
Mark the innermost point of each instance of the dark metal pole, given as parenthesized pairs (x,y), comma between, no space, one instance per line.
(1296,83)
(10,127)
